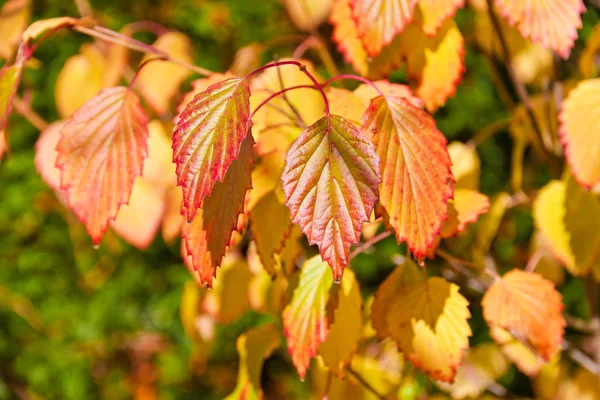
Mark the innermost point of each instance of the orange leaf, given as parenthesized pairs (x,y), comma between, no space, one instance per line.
(331,181)
(579,126)
(552,23)
(465,209)
(101,151)
(378,21)
(528,306)
(415,165)
(305,319)
(345,35)
(208,137)
(435,12)
(207,237)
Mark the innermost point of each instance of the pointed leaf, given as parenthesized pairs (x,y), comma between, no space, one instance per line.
(10,76)
(579,125)
(435,12)
(305,319)
(415,165)
(199,86)
(378,21)
(331,181)
(528,306)
(230,299)
(101,151)
(254,347)
(465,208)
(427,318)
(207,139)
(553,23)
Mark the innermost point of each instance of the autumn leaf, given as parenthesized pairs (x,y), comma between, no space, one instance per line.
(466,165)
(345,330)
(465,208)
(331,181)
(266,176)
(587,60)
(305,319)
(529,307)
(100,153)
(208,137)
(435,12)
(230,299)
(14,17)
(10,76)
(254,347)
(578,127)
(367,92)
(271,224)
(415,165)
(45,154)
(521,354)
(39,27)
(159,92)
(307,15)
(199,86)
(378,21)
(208,236)
(426,317)
(553,23)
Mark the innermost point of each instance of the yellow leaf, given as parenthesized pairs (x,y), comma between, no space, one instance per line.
(465,165)
(427,318)
(366,93)
(583,386)
(345,35)
(80,79)
(266,178)
(254,347)
(189,309)
(346,329)
(307,15)
(435,12)
(588,61)
(481,367)
(578,131)
(39,27)
(529,307)
(465,208)
(568,217)
(159,81)
(526,360)
(14,17)
(229,298)
(347,104)
(292,249)
(247,59)
(547,381)
(10,77)
(173,218)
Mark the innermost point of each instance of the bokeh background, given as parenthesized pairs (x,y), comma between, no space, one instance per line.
(81,323)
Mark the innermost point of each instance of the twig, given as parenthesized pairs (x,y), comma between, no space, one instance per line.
(366,384)
(26,111)
(362,247)
(292,107)
(582,359)
(489,131)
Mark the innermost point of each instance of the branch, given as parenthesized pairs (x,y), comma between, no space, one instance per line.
(378,238)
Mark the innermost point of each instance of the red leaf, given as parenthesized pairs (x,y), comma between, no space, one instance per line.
(100,152)
(207,139)
(331,183)
(415,167)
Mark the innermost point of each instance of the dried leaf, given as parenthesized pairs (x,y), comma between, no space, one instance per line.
(208,137)
(101,151)
(415,165)
(529,307)
(331,181)
(305,319)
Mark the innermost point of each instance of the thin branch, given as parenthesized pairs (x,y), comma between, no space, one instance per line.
(26,111)
(489,131)
(316,43)
(292,107)
(281,92)
(375,239)
(366,384)
(582,359)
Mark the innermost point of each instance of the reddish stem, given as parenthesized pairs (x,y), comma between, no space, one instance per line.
(355,78)
(303,69)
(142,65)
(282,91)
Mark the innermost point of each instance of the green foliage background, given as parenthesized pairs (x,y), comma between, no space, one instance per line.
(71,315)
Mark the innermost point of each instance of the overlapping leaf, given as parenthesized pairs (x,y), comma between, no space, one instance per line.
(101,151)
(208,137)
(331,181)
(435,12)
(522,354)
(529,307)
(427,318)
(579,125)
(254,347)
(465,208)
(305,319)
(378,21)
(415,166)
(553,23)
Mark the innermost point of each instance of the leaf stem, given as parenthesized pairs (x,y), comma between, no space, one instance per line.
(280,92)
(353,77)
(303,69)
(366,384)
(299,119)
(375,239)
(26,111)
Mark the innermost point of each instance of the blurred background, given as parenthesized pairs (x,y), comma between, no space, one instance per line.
(81,323)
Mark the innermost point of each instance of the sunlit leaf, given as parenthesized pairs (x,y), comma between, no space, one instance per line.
(426,317)
(584,385)
(10,76)
(553,23)
(291,251)
(270,222)
(547,381)
(80,79)
(14,17)
(524,357)
(466,165)
(415,166)
(199,86)
(307,15)
(529,307)
(435,12)
(229,299)
(436,63)
(247,59)
(305,318)
(101,151)
(367,92)
(579,125)
(346,328)
(465,208)
(208,137)
(378,21)
(45,154)
(345,35)
(266,176)
(159,81)
(331,181)
(346,104)
(39,27)
(481,367)
(209,234)
(567,217)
